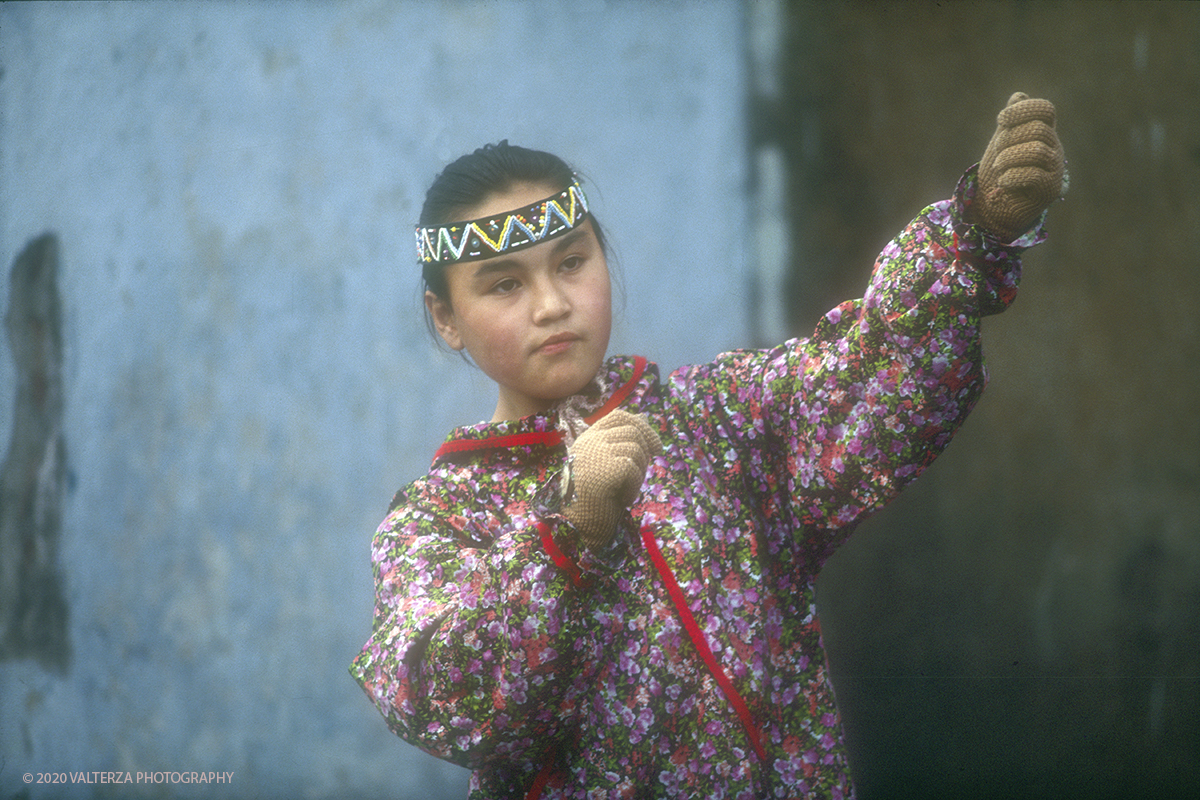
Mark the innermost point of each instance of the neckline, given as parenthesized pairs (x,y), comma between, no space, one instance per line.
(548,438)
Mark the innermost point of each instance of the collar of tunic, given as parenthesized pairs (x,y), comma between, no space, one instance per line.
(538,430)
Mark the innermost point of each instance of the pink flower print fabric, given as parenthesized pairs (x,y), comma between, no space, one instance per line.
(487,652)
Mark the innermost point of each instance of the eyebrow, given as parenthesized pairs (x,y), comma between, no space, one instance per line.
(489,266)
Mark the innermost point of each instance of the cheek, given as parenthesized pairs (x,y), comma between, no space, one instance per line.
(494,343)
(600,308)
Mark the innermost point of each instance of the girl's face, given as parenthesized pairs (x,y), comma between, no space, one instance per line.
(537,320)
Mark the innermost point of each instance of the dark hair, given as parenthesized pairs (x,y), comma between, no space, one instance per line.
(492,169)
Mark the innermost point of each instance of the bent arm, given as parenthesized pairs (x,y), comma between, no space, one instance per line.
(472,655)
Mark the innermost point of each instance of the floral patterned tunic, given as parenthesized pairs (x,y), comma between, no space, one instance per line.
(501,646)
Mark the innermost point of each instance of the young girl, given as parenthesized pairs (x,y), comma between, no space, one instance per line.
(607,591)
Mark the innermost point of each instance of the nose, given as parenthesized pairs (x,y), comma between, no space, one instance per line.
(551,301)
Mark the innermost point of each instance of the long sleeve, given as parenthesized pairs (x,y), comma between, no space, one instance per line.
(496,640)
(476,640)
(828,429)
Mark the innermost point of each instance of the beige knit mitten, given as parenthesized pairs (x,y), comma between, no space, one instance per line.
(1021,173)
(608,464)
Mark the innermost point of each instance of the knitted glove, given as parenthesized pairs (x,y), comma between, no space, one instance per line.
(608,464)
(1021,173)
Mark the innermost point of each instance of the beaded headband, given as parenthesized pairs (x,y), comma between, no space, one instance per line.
(512,230)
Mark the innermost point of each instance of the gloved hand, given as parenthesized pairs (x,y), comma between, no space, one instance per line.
(1021,173)
(608,464)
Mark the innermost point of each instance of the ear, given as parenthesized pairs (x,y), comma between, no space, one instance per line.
(443,319)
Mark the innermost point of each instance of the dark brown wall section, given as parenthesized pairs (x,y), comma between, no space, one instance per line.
(1025,621)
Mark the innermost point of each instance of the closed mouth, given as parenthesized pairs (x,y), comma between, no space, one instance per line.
(558,341)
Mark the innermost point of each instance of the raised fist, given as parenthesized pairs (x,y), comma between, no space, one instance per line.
(608,464)
(1021,173)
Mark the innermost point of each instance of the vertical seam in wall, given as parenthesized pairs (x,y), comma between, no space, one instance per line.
(768,224)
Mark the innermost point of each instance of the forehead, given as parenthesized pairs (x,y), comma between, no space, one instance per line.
(466,273)
(519,195)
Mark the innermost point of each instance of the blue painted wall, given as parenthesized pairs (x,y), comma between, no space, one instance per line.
(248,377)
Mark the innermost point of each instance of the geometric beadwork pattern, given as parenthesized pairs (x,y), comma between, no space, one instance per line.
(484,238)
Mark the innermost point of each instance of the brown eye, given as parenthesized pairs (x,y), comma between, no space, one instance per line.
(505,286)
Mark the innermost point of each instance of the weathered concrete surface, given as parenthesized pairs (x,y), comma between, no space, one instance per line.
(247,377)
(1025,622)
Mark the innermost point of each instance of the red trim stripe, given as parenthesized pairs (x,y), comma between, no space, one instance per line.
(510,440)
(546,438)
(558,556)
(550,438)
(539,782)
(697,637)
(618,397)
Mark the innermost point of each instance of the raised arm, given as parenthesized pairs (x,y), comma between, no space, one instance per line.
(829,429)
